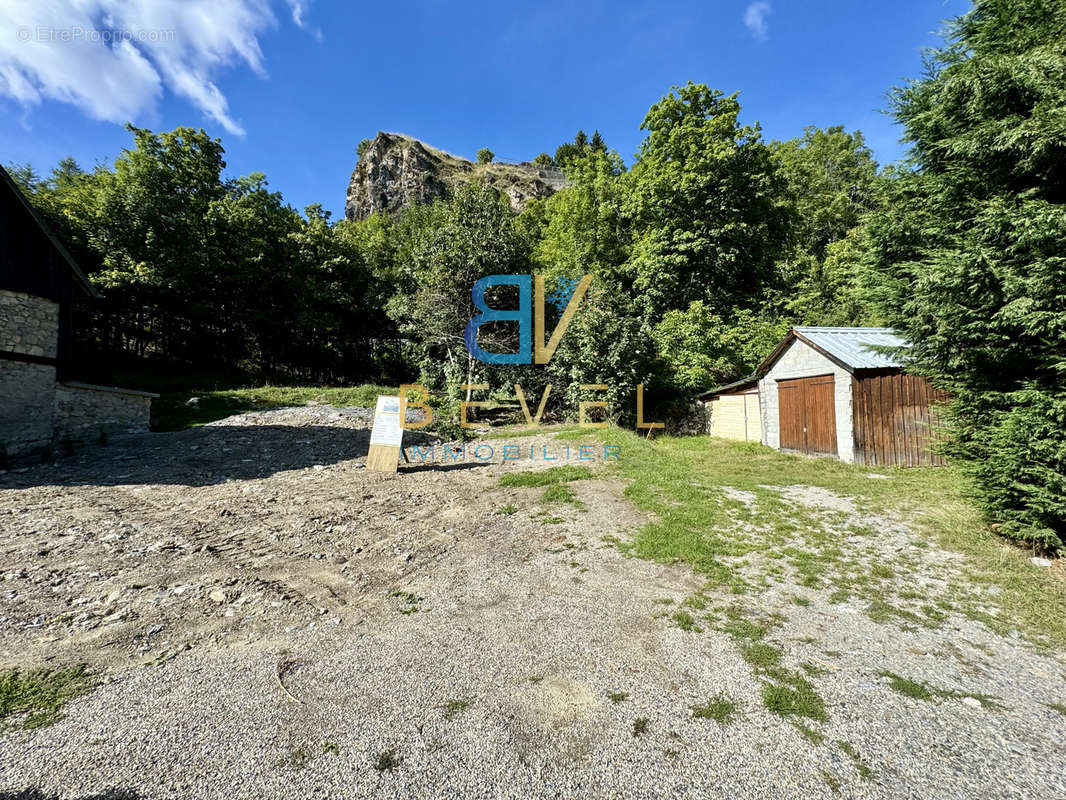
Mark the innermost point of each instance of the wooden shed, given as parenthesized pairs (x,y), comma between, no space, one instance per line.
(734,410)
(840,392)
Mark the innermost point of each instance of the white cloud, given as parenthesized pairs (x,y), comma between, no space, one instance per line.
(113,59)
(755,18)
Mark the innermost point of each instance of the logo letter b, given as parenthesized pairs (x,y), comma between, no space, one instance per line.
(521,315)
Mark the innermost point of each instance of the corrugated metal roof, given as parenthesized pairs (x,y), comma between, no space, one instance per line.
(856,347)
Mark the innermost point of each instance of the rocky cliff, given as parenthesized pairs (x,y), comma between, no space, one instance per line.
(396,171)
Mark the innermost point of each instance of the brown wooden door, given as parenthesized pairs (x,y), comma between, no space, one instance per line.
(807,414)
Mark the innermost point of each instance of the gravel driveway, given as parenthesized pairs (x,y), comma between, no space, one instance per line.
(271,620)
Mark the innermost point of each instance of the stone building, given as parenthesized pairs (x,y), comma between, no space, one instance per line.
(839,392)
(39,282)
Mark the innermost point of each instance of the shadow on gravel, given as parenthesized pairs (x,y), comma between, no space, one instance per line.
(37,794)
(200,457)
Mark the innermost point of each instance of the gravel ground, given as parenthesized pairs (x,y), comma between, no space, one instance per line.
(271,620)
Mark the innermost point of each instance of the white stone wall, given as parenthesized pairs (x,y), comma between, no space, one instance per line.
(28,325)
(83,411)
(799,360)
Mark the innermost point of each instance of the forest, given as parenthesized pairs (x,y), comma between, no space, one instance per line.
(704,251)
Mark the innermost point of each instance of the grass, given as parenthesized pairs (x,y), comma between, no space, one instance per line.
(1061,708)
(856,758)
(454,707)
(686,622)
(507,510)
(172,411)
(547,477)
(681,481)
(35,699)
(640,726)
(410,601)
(559,493)
(616,697)
(907,687)
(795,696)
(720,708)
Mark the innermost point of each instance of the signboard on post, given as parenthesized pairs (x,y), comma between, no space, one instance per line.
(386,437)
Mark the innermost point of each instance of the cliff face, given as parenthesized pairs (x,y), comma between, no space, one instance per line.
(396,171)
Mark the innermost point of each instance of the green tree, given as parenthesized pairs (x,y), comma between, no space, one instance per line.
(708,203)
(973,268)
(485,156)
(544,160)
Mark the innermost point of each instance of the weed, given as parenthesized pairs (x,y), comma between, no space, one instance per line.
(37,696)
(547,477)
(640,726)
(794,696)
(810,734)
(387,760)
(616,697)
(907,687)
(685,621)
(454,707)
(409,599)
(507,510)
(1061,708)
(760,655)
(860,765)
(331,748)
(721,709)
(297,758)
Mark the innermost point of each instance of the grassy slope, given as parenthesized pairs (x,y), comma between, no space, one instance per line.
(681,480)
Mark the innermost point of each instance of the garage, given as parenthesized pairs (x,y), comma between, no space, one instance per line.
(807,415)
(734,411)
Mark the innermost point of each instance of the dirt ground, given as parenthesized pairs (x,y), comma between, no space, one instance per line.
(269,619)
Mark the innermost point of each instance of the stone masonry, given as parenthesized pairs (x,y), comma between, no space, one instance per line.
(29,326)
(84,413)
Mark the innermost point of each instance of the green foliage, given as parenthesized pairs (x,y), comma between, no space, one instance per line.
(972,265)
(36,697)
(485,156)
(362,147)
(546,477)
(720,708)
(544,160)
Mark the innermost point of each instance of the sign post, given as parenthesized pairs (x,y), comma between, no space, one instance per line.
(386,437)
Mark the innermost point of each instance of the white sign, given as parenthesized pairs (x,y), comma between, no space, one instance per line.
(388,428)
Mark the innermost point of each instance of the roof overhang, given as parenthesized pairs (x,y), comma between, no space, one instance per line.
(79,277)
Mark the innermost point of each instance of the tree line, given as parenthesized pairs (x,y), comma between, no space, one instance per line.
(704,251)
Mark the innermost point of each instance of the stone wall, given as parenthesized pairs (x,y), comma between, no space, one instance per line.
(83,412)
(802,361)
(29,326)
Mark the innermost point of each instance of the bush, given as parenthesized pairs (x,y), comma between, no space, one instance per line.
(485,156)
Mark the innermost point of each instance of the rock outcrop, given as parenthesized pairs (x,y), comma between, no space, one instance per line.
(396,171)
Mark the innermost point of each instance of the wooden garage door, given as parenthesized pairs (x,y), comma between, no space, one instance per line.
(807,414)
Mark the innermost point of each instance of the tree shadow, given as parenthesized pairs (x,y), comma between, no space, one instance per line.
(204,456)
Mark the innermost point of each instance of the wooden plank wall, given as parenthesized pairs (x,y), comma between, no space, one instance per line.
(896,419)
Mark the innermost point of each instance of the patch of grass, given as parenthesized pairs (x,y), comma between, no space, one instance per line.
(801,601)
(720,708)
(616,697)
(810,734)
(176,411)
(761,655)
(35,698)
(387,760)
(1061,708)
(331,748)
(860,765)
(832,781)
(559,493)
(546,477)
(454,707)
(680,481)
(686,622)
(793,696)
(907,687)
(553,521)
(640,726)
(507,510)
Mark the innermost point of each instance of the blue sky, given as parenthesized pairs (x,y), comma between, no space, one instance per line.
(292,86)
